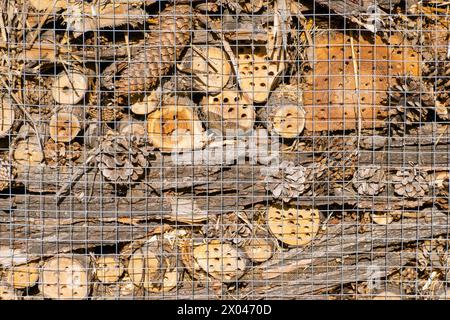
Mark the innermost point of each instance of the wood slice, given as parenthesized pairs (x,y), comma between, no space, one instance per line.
(149,103)
(331,99)
(65,277)
(124,289)
(66,124)
(228,112)
(259,249)
(252,6)
(70,88)
(382,218)
(387,295)
(209,65)
(221,260)
(7,116)
(28,152)
(143,267)
(108,269)
(293,226)
(23,276)
(284,114)
(257,72)
(175,128)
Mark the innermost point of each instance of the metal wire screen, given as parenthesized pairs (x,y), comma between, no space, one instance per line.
(275,149)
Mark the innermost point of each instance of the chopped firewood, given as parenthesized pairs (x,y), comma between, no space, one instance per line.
(7,115)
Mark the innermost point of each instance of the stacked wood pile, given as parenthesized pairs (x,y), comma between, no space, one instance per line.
(224,149)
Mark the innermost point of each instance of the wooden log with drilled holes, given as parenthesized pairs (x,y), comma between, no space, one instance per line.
(353,68)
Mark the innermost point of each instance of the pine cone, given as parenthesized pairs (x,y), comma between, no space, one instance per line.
(5,174)
(228,227)
(369,180)
(123,159)
(410,98)
(410,183)
(163,46)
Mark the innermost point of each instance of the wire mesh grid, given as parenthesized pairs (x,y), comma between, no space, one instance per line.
(230,149)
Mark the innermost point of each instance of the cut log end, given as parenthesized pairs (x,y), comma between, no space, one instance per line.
(228,111)
(293,226)
(288,121)
(259,249)
(209,66)
(7,116)
(23,276)
(65,278)
(64,127)
(70,88)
